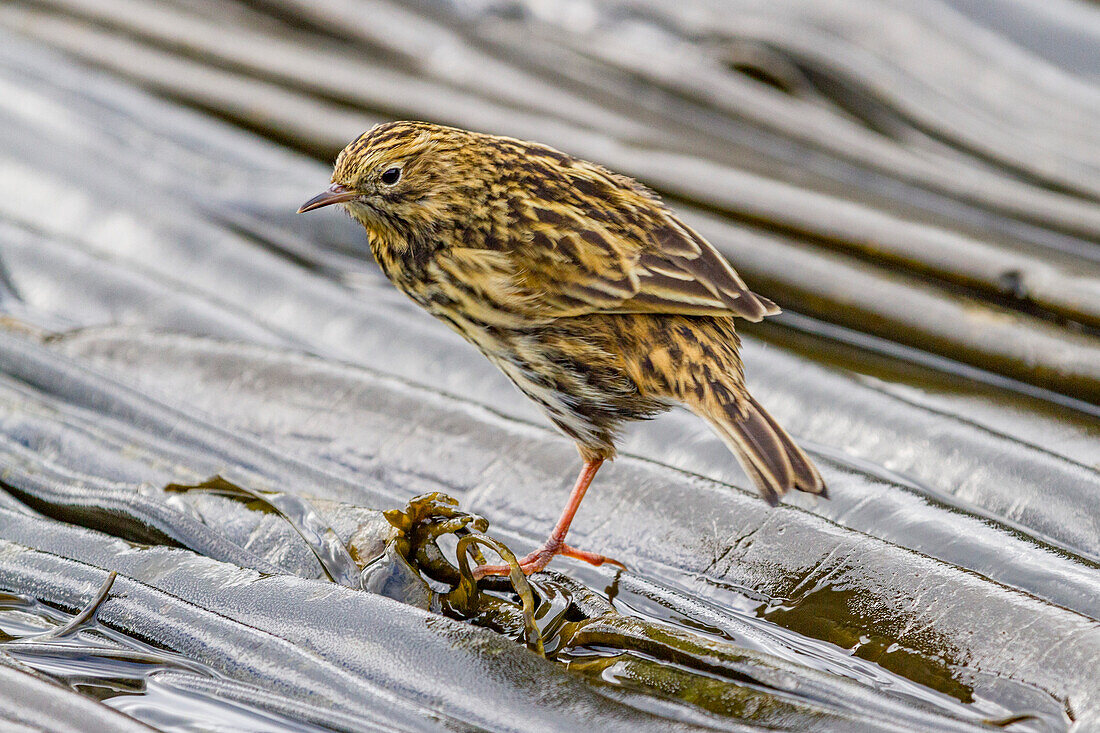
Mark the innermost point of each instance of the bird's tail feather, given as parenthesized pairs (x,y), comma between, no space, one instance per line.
(766,452)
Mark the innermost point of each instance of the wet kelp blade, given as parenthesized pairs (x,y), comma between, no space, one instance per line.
(391,404)
(161,688)
(217,517)
(798,693)
(301,643)
(331,553)
(31,702)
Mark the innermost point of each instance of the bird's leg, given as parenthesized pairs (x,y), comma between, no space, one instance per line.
(555,544)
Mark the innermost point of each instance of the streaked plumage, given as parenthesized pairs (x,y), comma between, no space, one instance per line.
(579,284)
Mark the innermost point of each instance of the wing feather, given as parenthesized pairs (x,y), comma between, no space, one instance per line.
(616,249)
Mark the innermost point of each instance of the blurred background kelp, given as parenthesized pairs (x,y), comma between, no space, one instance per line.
(914,181)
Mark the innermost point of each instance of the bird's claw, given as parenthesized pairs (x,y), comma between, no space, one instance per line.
(541,557)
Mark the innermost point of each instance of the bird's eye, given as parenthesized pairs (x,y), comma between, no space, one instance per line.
(391,176)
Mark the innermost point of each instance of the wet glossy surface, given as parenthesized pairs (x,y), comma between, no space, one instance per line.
(168,319)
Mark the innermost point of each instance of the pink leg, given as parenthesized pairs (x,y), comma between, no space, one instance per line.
(555,544)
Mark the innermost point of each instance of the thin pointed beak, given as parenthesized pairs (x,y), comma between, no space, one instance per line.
(336,194)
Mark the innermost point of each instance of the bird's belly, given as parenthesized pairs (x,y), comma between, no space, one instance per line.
(577,407)
(582,388)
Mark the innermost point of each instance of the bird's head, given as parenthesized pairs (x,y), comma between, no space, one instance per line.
(401,180)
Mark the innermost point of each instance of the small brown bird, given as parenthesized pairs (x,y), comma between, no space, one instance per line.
(578,283)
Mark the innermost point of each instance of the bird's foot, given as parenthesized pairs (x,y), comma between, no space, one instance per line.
(541,557)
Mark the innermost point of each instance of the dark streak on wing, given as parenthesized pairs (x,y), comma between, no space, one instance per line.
(683,272)
(597,242)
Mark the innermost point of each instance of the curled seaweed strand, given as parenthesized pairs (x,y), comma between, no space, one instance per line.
(468,585)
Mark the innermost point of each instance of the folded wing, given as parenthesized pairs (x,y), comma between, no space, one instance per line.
(616,250)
